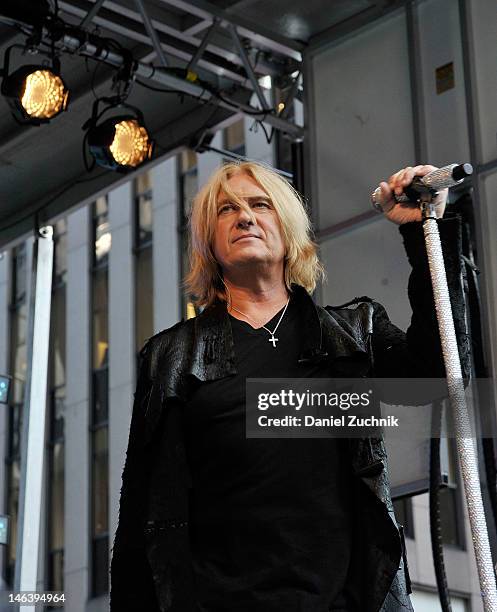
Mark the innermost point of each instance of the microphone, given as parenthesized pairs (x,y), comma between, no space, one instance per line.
(427,185)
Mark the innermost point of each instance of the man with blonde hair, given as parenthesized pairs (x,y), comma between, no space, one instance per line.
(211,521)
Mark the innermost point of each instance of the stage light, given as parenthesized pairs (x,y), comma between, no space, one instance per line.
(120,143)
(36,94)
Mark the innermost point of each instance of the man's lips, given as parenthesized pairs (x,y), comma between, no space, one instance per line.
(245,236)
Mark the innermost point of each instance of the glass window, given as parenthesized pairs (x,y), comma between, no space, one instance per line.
(100,564)
(57,382)
(58,337)
(100,512)
(19,273)
(56,518)
(143,210)
(100,396)
(144,299)
(100,481)
(60,252)
(188,187)
(143,182)
(100,318)
(188,160)
(144,221)
(144,282)
(18,367)
(19,355)
(12,511)
(100,399)
(101,231)
(450,502)
(15,429)
(188,183)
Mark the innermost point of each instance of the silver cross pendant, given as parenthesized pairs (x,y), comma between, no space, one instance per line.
(273,340)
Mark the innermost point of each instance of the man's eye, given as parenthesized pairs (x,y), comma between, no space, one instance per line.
(262,203)
(226,207)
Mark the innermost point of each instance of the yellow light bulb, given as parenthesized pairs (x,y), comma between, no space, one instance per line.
(131,144)
(44,94)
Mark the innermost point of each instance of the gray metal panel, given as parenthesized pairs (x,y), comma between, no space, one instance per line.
(445,113)
(362,110)
(488,212)
(368,260)
(481,21)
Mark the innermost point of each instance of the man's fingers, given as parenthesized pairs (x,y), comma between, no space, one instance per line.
(408,176)
(401,179)
(386,192)
(424,169)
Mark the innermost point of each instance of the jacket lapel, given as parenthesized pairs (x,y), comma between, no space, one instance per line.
(326,337)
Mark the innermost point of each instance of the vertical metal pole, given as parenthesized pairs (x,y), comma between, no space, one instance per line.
(34,414)
(466,447)
(416,79)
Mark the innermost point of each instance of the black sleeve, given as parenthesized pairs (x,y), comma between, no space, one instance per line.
(418,353)
(132,586)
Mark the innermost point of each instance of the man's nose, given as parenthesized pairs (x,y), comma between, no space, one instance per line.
(245,217)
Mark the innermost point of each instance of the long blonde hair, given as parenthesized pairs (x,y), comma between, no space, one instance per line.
(302,266)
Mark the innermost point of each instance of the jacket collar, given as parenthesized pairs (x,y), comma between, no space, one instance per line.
(325,337)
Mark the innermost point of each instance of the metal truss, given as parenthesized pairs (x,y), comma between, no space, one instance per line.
(280,55)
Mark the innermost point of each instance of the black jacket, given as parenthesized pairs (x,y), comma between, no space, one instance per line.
(150,568)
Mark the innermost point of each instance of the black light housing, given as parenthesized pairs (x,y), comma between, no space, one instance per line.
(120,143)
(30,12)
(35,93)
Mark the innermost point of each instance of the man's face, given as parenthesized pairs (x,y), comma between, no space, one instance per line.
(249,234)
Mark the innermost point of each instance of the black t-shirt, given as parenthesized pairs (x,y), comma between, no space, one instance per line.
(271,520)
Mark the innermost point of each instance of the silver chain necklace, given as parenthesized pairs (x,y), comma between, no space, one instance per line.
(273,339)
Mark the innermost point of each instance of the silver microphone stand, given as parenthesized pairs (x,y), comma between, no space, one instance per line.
(465,443)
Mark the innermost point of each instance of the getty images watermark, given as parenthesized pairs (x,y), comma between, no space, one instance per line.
(356,408)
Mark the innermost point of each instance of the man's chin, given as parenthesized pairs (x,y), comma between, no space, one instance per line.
(250,261)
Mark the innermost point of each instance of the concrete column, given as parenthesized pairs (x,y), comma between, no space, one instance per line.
(121,341)
(77,444)
(166,263)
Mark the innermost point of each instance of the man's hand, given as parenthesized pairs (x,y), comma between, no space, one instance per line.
(404,212)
